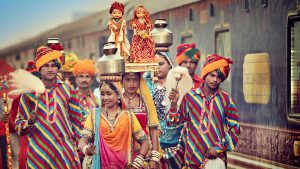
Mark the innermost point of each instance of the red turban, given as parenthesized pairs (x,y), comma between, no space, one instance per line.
(56,46)
(31,66)
(117,5)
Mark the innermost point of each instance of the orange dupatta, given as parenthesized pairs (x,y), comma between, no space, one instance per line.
(115,142)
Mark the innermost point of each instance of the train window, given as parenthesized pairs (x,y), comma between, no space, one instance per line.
(223,48)
(78,40)
(18,56)
(83,41)
(102,41)
(187,38)
(191,14)
(92,55)
(69,45)
(293,44)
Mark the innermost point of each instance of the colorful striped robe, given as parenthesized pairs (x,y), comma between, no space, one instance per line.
(221,131)
(88,103)
(54,135)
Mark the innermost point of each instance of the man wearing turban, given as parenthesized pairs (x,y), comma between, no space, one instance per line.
(84,72)
(67,69)
(210,114)
(188,56)
(67,60)
(52,121)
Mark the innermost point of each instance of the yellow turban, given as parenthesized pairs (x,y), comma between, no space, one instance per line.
(70,60)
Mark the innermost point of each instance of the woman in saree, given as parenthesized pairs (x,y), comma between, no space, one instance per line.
(113,130)
(170,138)
(139,100)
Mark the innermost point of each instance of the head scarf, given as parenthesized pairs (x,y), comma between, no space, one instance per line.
(185,51)
(146,17)
(166,56)
(117,5)
(70,60)
(217,63)
(144,91)
(118,90)
(54,44)
(84,67)
(32,68)
(45,55)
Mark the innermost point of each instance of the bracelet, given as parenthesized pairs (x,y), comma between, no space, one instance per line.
(138,162)
(155,156)
(172,110)
(84,149)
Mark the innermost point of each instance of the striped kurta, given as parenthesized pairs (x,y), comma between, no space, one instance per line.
(88,103)
(210,123)
(56,131)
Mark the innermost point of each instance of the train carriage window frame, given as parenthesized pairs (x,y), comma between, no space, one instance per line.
(187,37)
(101,41)
(219,31)
(293,73)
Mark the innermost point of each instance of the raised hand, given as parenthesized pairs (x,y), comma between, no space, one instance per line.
(91,150)
(212,153)
(174,96)
(32,117)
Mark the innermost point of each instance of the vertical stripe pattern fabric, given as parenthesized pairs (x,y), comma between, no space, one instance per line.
(210,122)
(56,132)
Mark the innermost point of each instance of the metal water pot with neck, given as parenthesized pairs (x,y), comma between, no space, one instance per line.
(162,36)
(110,63)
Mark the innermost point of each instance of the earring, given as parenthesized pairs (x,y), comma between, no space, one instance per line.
(118,101)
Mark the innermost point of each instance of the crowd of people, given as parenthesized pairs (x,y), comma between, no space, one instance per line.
(124,124)
(71,128)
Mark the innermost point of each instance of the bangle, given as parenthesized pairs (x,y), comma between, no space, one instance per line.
(84,149)
(155,156)
(171,110)
(138,162)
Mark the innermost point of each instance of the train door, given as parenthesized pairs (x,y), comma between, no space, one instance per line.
(223,48)
(293,67)
(293,76)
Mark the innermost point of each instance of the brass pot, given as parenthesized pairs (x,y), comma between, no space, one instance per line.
(110,63)
(162,36)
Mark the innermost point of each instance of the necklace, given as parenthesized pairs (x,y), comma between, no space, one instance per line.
(112,121)
(130,99)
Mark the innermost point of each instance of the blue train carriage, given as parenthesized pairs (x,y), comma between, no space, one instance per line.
(265,81)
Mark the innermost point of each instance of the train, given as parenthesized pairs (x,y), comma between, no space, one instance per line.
(262,37)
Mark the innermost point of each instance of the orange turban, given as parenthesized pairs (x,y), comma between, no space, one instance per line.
(217,63)
(45,55)
(84,67)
